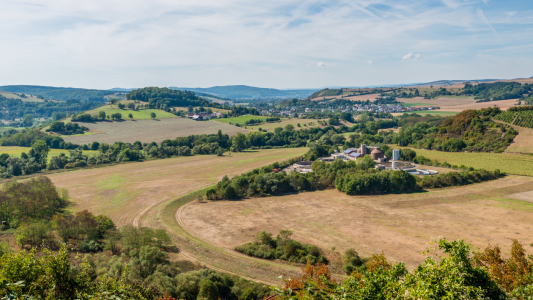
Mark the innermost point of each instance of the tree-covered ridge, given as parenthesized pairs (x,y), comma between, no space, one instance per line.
(59,93)
(497,90)
(159,97)
(470,130)
(10,109)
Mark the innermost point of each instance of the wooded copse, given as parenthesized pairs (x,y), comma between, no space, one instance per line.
(352,177)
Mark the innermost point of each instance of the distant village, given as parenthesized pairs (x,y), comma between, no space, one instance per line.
(374,108)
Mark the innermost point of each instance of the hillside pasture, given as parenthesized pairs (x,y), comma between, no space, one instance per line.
(270,126)
(146,131)
(518,164)
(141,114)
(371,97)
(15,96)
(399,225)
(17,151)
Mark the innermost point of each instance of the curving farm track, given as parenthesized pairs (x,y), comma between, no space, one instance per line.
(138,192)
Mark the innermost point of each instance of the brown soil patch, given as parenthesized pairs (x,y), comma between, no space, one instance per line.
(399,225)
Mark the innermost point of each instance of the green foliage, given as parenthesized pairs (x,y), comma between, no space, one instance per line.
(521,116)
(34,199)
(282,247)
(67,129)
(158,97)
(351,261)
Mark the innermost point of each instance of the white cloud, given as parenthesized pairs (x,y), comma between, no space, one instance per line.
(322,64)
(109,43)
(369,62)
(412,56)
(485,1)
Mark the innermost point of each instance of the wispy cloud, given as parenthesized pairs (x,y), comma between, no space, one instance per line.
(278,43)
(482,17)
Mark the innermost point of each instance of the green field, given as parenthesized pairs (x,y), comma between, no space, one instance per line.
(416,104)
(143,114)
(240,120)
(430,112)
(16,151)
(519,164)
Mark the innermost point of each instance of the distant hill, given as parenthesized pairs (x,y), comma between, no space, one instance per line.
(59,93)
(249,92)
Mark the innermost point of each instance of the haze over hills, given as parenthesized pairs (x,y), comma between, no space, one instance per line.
(228,92)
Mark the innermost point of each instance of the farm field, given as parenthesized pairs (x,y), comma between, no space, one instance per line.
(458,104)
(518,164)
(399,225)
(523,142)
(148,131)
(240,119)
(270,126)
(28,97)
(430,112)
(135,193)
(194,107)
(17,151)
(142,114)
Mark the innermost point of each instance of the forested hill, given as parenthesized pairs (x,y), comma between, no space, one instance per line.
(159,97)
(59,93)
(249,92)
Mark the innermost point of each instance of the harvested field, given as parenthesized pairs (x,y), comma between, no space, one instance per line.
(125,192)
(518,164)
(523,142)
(399,225)
(430,112)
(458,104)
(143,194)
(148,131)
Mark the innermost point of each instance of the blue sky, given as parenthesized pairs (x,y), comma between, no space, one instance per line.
(279,44)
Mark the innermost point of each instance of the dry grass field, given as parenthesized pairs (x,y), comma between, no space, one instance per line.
(149,130)
(138,193)
(125,192)
(458,104)
(399,225)
(523,142)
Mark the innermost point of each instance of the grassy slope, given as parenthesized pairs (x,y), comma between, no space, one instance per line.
(28,97)
(17,151)
(430,112)
(519,164)
(269,126)
(143,114)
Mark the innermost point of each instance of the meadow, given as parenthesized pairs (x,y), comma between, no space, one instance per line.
(523,142)
(146,131)
(430,112)
(14,96)
(142,114)
(270,126)
(138,192)
(519,164)
(17,151)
